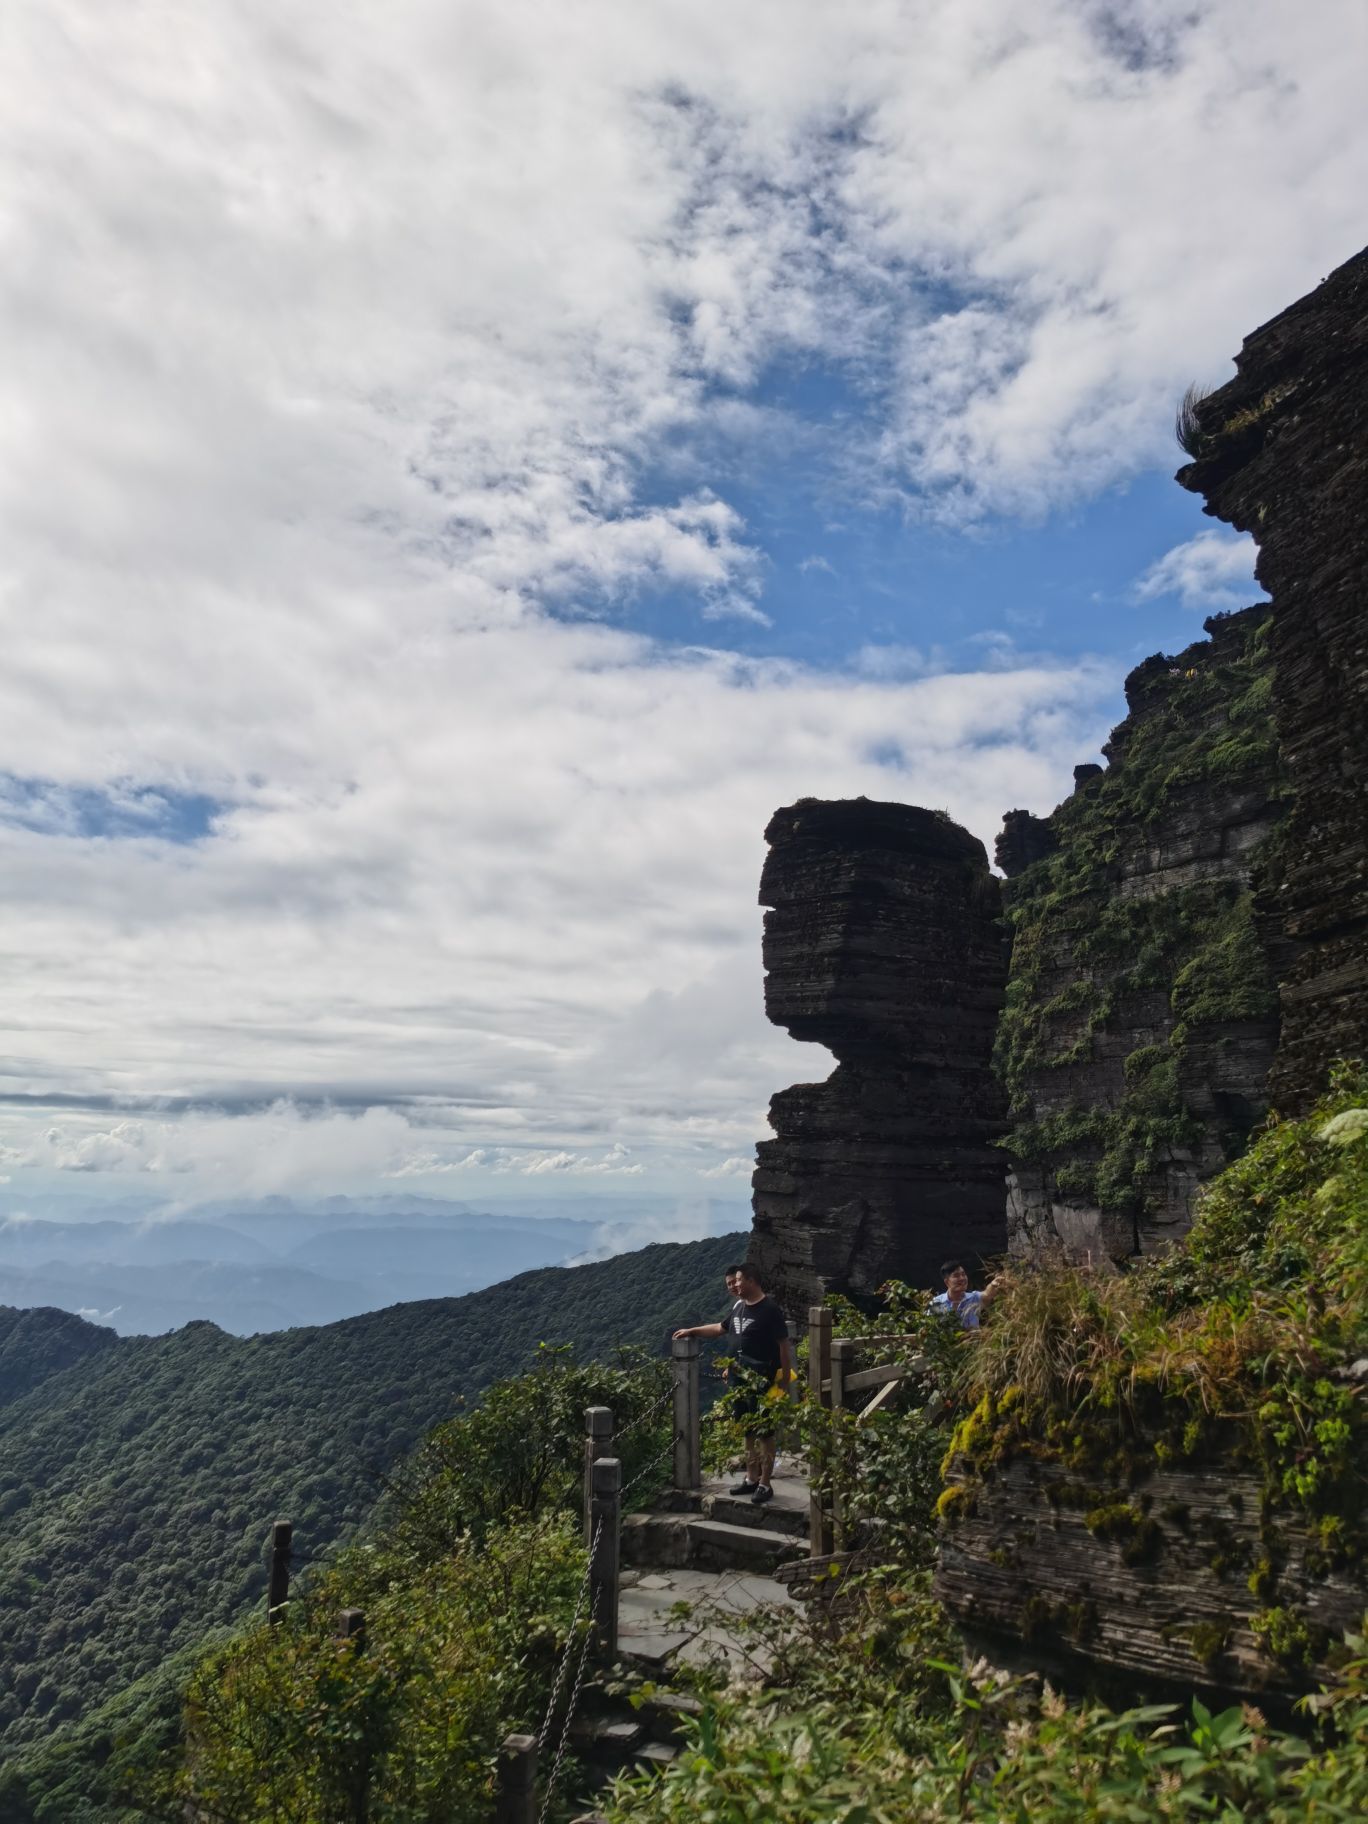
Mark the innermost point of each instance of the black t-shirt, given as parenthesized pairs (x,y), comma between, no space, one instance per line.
(760,1330)
(729,1321)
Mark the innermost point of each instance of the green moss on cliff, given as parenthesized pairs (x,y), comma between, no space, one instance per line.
(1237,1352)
(1088,959)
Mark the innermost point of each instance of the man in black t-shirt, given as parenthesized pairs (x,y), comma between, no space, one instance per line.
(764,1361)
(758,1331)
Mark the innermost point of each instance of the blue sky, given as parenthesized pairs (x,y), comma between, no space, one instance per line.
(464,468)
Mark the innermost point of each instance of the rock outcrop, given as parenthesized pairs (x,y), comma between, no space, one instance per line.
(1282,452)
(883,941)
(1024,840)
(1141,1011)
(1153,1586)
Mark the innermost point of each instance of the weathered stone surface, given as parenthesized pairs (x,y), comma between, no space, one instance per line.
(1029,1581)
(1142,1014)
(1283,454)
(1024,838)
(883,942)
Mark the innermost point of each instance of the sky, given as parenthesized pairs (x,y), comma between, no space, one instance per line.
(465,465)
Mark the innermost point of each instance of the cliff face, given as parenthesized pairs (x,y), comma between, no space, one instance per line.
(1141,1013)
(1282,452)
(883,942)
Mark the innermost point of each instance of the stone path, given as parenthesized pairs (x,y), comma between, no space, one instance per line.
(716,1553)
(718,1556)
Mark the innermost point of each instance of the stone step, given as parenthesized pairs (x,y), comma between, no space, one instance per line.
(667,1712)
(776,1516)
(676,1541)
(655,1754)
(717,1545)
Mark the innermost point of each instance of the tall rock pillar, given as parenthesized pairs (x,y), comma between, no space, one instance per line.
(1282,452)
(883,942)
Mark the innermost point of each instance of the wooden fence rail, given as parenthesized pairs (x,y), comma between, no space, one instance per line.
(834,1378)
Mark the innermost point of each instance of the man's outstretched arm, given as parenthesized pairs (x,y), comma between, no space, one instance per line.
(702,1330)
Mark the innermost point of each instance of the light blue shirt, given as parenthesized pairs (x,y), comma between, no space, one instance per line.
(967,1310)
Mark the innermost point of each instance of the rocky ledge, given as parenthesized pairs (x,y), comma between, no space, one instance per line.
(1282,452)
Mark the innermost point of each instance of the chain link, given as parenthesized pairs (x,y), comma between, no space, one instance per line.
(554,1775)
(650,1413)
(650,1468)
(564,1666)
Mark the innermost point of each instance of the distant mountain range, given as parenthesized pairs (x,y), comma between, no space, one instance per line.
(139,1475)
(275,1263)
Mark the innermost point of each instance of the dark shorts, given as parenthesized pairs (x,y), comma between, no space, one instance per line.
(752,1407)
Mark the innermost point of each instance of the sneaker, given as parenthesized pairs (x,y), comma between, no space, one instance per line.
(761,1495)
(744,1488)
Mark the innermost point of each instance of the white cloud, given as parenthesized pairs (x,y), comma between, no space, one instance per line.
(351,343)
(615,1163)
(278,1149)
(735,1167)
(1213,571)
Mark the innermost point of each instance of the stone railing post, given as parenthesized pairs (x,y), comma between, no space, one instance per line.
(820,1532)
(606,1512)
(598,1442)
(278,1586)
(688,1447)
(516,1792)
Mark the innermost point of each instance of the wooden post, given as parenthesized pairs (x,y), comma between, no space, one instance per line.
(842,1364)
(351,1628)
(843,1350)
(278,1585)
(820,1533)
(606,1508)
(598,1442)
(516,1798)
(688,1445)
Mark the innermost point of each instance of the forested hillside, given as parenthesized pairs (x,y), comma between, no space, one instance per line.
(38,1343)
(138,1481)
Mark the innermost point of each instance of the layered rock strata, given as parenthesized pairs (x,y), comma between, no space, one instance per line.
(1141,1012)
(883,941)
(1282,452)
(1152,1584)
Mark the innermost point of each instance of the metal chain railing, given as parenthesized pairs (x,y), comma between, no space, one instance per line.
(645,1418)
(543,1735)
(564,1666)
(554,1775)
(650,1468)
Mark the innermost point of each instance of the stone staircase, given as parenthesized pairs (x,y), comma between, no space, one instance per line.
(717,1553)
(716,1531)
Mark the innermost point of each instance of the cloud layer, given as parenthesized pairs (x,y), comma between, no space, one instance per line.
(370,363)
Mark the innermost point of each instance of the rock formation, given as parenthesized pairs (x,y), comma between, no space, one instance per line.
(1282,452)
(1139,1598)
(1025,838)
(883,941)
(1141,1014)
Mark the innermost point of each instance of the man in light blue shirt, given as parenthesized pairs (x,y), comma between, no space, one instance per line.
(957,1300)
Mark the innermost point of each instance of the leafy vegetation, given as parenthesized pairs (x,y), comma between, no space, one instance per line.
(978,1745)
(38,1343)
(139,1481)
(1238,1349)
(468,1584)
